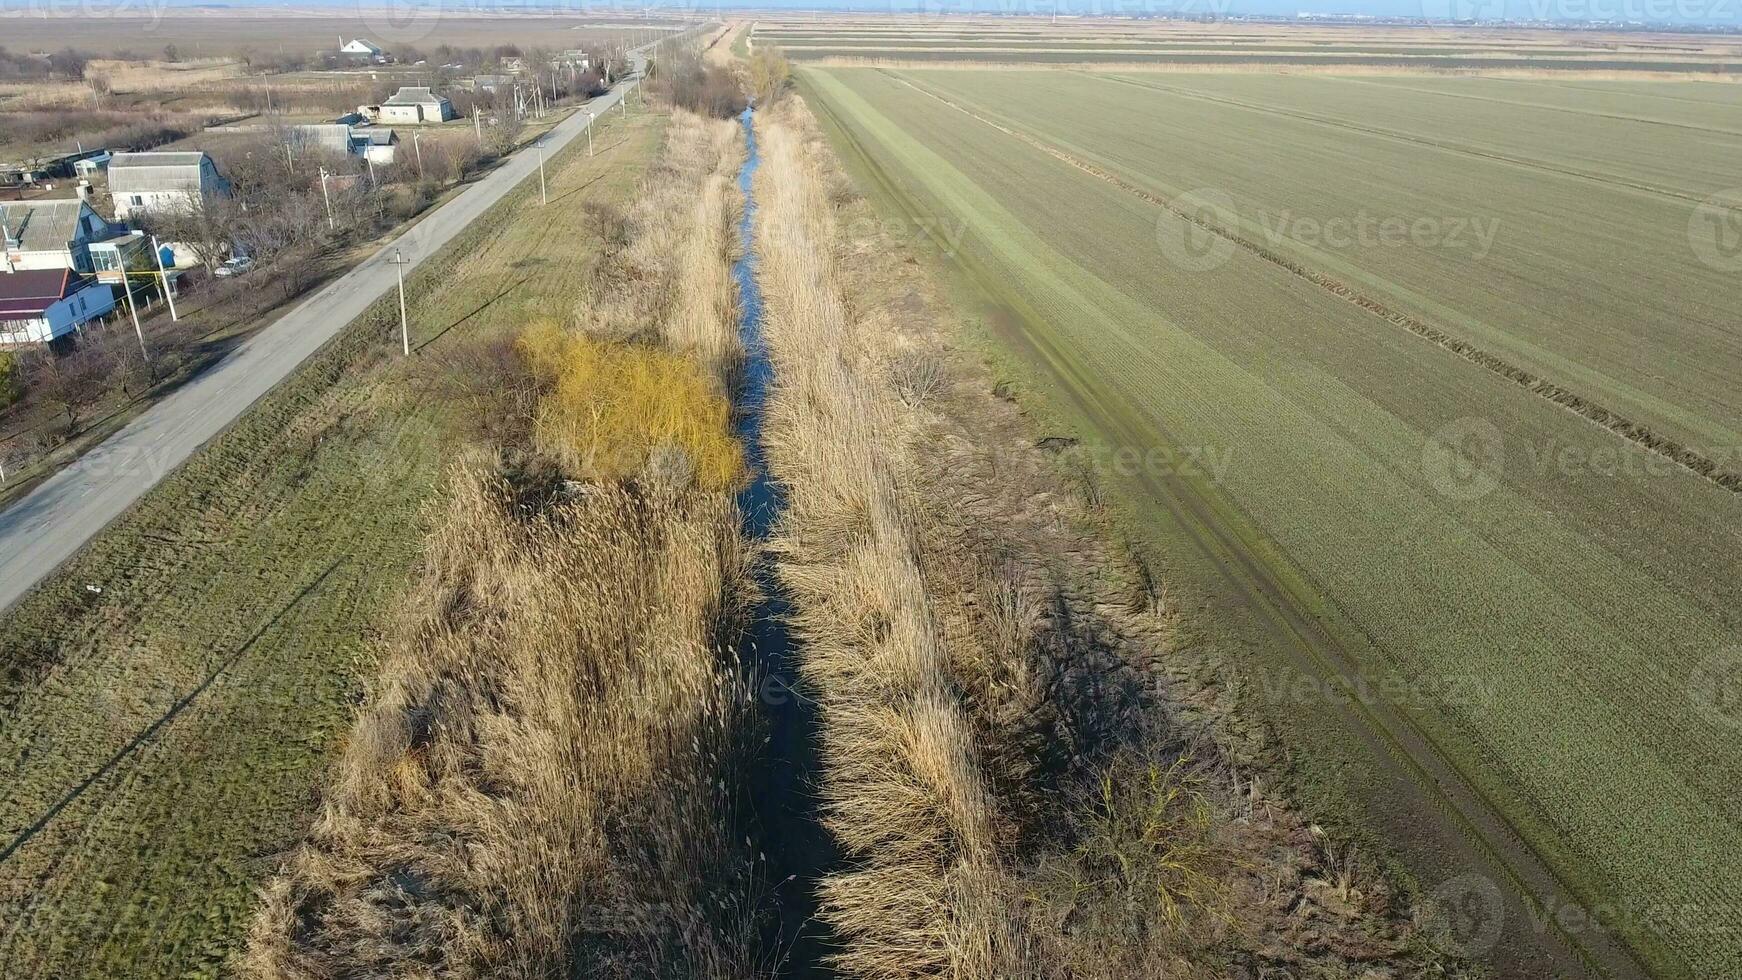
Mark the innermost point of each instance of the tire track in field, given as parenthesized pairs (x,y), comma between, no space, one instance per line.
(1594,176)
(1316,645)
(1566,109)
(1634,432)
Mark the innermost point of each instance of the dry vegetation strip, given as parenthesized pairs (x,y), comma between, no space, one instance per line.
(548,778)
(159,738)
(999,764)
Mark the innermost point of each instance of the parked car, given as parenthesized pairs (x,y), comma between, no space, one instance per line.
(236,265)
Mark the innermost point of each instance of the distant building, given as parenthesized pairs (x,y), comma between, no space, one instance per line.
(141,183)
(375,143)
(415,105)
(359,48)
(52,168)
(50,235)
(43,305)
(492,83)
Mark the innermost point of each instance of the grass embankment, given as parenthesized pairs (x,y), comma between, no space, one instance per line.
(548,778)
(159,738)
(1013,788)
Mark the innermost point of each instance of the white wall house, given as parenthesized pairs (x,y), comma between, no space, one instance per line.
(380,146)
(50,235)
(359,48)
(43,305)
(415,105)
(142,183)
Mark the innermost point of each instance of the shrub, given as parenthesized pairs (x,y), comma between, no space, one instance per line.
(609,407)
(710,90)
(11,384)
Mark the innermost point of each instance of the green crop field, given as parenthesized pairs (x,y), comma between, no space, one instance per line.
(1489,452)
(169,700)
(1246,46)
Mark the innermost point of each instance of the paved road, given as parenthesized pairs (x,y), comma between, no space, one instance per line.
(44,529)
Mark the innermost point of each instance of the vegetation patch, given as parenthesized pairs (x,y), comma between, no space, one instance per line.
(610,408)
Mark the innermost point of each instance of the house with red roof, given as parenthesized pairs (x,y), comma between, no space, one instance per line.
(39,306)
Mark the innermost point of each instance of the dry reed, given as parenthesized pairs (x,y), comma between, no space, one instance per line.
(547,778)
(999,766)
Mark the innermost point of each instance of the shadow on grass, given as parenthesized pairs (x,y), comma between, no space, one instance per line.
(169,716)
(481,307)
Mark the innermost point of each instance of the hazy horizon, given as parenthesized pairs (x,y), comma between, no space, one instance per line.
(1679,13)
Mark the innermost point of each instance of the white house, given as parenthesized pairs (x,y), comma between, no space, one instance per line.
(142,183)
(380,146)
(50,235)
(416,105)
(359,48)
(43,305)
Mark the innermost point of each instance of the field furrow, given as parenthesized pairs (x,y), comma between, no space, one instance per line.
(1548,609)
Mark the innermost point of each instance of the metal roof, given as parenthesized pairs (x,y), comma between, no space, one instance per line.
(334,137)
(414,96)
(25,295)
(158,170)
(158,158)
(42,226)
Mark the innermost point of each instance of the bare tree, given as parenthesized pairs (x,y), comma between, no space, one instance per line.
(71,384)
(206,225)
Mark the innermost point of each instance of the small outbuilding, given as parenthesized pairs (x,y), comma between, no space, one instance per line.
(416,105)
(379,146)
(330,138)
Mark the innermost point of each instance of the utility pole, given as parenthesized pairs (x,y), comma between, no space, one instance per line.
(478,122)
(133,308)
(417,148)
(289,163)
(399,263)
(329,199)
(541,198)
(6,234)
(163,274)
(371,162)
(589,133)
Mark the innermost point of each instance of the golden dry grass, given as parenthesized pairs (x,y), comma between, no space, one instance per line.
(902,788)
(613,407)
(548,777)
(535,786)
(682,221)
